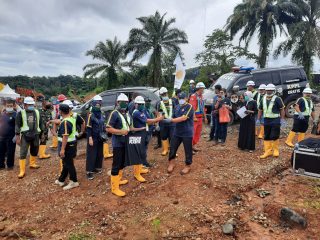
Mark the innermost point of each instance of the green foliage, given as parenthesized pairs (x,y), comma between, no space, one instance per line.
(52,86)
(304,33)
(156,36)
(219,55)
(263,18)
(109,54)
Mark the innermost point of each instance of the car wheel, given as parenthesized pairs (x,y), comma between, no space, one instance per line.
(290,109)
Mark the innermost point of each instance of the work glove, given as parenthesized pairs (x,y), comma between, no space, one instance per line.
(258,122)
(283,123)
(301,117)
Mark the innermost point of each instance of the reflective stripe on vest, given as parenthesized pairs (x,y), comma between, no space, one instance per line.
(125,123)
(259,98)
(72,136)
(200,106)
(74,116)
(254,93)
(25,126)
(147,125)
(164,109)
(308,110)
(267,110)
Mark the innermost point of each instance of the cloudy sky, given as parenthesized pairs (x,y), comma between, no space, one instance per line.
(49,38)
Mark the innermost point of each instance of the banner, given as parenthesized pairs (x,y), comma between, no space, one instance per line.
(180,72)
(135,148)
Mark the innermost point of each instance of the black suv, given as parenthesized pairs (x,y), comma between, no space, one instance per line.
(109,98)
(289,81)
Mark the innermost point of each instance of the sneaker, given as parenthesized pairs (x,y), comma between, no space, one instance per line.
(61,184)
(98,171)
(90,176)
(71,185)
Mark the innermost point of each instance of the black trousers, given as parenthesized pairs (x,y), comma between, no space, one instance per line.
(148,139)
(7,150)
(68,163)
(119,158)
(158,135)
(187,144)
(34,146)
(271,132)
(166,131)
(213,127)
(94,158)
(300,125)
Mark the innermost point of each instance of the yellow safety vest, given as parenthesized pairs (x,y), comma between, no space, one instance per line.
(308,110)
(164,109)
(267,110)
(72,136)
(125,123)
(25,126)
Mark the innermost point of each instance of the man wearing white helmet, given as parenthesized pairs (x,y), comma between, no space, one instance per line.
(250,87)
(119,124)
(142,122)
(165,108)
(192,87)
(304,108)
(272,109)
(261,93)
(196,100)
(28,128)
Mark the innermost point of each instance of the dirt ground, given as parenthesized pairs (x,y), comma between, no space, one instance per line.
(222,185)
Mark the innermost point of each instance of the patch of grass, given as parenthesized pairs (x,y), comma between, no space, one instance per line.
(81,236)
(156,227)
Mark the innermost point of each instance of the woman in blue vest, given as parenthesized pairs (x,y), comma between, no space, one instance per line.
(304,108)
(96,134)
(142,120)
(183,117)
(272,109)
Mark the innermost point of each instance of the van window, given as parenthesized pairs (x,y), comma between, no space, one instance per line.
(242,83)
(262,78)
(276,79)
(109,100)
(291,75)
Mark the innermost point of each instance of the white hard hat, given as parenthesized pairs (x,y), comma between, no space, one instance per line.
(29,101)
(122,98)
(69,103)
(307,90)
(262,87)
(200,85)
(192,82)
(270,87)
(250,83)
(163,90)
(97,98)
(139,100)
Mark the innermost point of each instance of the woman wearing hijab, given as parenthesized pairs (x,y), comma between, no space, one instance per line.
(247,135)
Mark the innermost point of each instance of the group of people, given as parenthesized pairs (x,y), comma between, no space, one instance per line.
(179,120)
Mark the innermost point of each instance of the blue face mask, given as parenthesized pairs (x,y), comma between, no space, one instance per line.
(182,101)
(246,98)
(30,108)
(165,98)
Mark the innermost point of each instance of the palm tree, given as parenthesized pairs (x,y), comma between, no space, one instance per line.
(304,33)
(109,54)
(155,36)
(262,17)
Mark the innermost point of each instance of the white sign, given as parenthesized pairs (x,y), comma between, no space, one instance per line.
(180,72)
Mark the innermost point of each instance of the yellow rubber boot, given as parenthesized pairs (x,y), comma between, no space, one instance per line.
(267,149)
(261,134)
(22,164)
(61,165)
(301,136)
(115,186)
(32,162)
(144,170)
(54,142)
(165,147)
(106,152)
(122,182)
(42,152)
(275,146)
(137,173)
(290,139)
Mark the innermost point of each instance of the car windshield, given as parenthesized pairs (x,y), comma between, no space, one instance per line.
(225,80)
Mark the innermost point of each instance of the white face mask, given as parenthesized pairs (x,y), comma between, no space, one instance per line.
(9,110)
(182,101)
